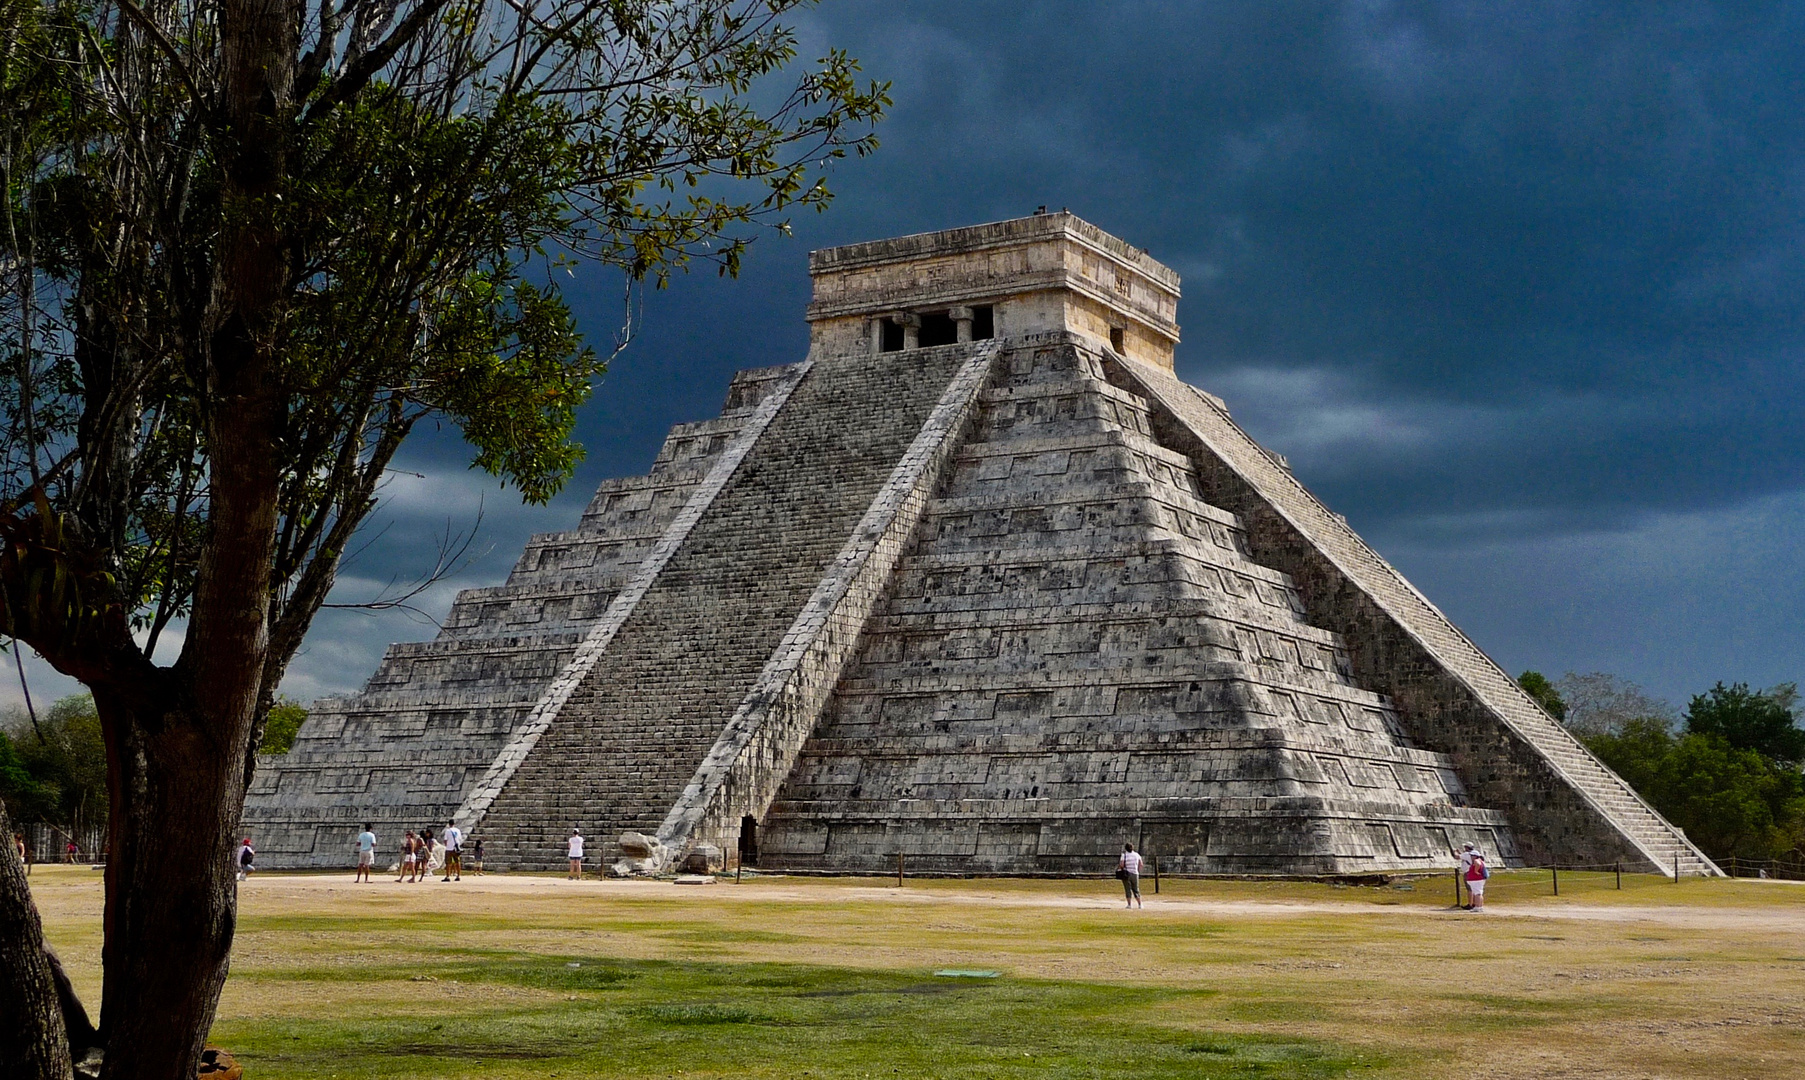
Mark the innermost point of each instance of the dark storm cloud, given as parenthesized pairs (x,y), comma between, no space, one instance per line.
(1517,287)
(1557,243)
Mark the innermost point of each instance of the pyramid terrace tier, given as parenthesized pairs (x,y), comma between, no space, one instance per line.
(1099,703)
(620,752)
(404,752)
(994,606)
(1290,836)
(533,609)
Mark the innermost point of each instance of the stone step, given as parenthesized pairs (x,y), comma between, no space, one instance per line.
(1249,474)
(638,725)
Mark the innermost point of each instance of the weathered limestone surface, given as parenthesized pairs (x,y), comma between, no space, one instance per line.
(1080,651)
(404,752)
(757,751)
(1567,807)
(980,583)
(638,727)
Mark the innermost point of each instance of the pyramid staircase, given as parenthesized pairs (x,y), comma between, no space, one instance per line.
(1080,651)
(404,752)
(616,751)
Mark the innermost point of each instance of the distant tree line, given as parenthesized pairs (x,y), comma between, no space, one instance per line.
(53,763)
(53,767)
(1730,770)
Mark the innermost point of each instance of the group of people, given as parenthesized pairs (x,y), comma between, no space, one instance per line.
(1473,870)
(422,854)
(71,851)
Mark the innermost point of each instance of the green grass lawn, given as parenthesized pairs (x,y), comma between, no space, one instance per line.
(608,1018)
(517,976)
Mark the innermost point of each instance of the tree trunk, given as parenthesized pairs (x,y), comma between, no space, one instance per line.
(180,746)
(33,1045)
(171,900)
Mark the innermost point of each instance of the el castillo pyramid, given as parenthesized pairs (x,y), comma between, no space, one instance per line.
(979,582)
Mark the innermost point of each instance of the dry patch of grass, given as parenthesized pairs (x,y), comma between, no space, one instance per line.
(524,976)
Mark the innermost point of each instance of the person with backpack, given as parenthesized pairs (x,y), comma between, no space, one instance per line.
(1475,872)
(1128,871)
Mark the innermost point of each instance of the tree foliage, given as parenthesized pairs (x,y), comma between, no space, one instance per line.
(1598,703)
(55,769)
(1713,779)
(284,723)
(247,247)
(451,164)
(1762,722)
(1537,686)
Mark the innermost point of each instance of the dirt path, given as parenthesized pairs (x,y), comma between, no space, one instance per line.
(492,894)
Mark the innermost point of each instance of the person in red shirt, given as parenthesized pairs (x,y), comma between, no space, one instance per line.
(1473,869)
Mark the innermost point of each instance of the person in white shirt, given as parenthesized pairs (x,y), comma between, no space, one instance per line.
(454,857)
(1128,868)
(366,854)
(576,854)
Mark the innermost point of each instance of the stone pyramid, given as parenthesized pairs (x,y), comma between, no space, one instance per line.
(979,583)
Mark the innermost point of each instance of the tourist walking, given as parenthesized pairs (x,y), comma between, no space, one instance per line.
(24,852)
(246,856)
(575,854)
(476,852)
(1128,868)
(1474,872)
(454,856)
(408,846)
(366,854)
(426,859)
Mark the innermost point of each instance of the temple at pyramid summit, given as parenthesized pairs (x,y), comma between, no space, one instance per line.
(978,582)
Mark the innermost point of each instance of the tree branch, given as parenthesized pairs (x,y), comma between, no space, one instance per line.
(348,85)
(168,49)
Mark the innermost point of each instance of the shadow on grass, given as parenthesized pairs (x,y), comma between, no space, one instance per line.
(620,1018)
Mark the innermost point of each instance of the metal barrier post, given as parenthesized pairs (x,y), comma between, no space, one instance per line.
(899,869)
(1676,867)
(1156,875)
(1620,875)
(1556,871)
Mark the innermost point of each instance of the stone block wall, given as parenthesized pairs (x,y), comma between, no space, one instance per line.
(636,728)
(1563,804)
(404,752)
(1079,651)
